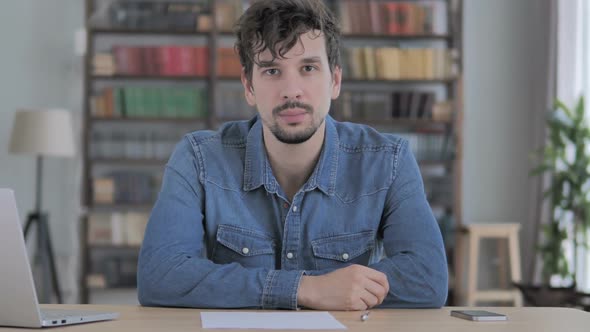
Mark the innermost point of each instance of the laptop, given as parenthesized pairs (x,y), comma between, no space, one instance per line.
(18,300)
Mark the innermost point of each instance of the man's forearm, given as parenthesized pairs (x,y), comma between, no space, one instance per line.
(182,280)
(414,283)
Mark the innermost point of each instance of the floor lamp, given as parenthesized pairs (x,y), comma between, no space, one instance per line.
(43,133)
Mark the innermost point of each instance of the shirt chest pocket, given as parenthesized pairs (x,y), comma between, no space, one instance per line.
(341,250)
(247,247)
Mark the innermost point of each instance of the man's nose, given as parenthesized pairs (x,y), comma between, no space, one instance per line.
(292,88)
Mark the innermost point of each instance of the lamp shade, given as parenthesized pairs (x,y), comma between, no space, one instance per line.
(43,132)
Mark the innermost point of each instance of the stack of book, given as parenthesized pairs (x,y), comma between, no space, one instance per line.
(152,102)
(103,64)
(228,63)
(227,13)
(160,15)
(392,17)
(362,105)
(134,144)
(424,145)
(117,228)
(125,187)
(389,63)
(167,60)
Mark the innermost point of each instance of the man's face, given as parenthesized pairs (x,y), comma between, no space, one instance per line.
(293,94)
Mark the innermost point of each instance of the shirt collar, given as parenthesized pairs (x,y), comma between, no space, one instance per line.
(257,170)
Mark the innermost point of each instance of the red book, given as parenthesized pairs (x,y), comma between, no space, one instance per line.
(163,59)
(148,63)
(405,18)
(143,60)
(175,60)
(169,56)
(121,60)
(393,26)
(201,56)
(186,61)
(134,65)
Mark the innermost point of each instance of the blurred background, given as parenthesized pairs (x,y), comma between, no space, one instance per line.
(473,84)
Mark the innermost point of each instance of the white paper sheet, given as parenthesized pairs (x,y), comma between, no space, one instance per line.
(270,320)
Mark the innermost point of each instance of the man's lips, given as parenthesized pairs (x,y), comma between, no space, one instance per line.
(293,115)
(292,112)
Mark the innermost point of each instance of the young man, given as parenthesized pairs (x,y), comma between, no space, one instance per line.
(292,209)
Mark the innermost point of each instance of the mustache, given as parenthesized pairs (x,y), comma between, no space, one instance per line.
(292,104)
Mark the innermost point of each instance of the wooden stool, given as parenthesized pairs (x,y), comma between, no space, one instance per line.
(472,234)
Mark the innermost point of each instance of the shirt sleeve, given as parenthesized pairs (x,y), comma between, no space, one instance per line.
(415,262)
(173,268)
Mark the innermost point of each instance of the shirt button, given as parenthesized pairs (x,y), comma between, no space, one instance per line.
(289,255)
(294,208)
(245,251)
(345,256)
(286,205)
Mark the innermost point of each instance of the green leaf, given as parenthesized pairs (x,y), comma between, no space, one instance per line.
(560,105)
(539,170)
(580,108)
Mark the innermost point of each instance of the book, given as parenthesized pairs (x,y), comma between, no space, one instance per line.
(99,229)
(103,190)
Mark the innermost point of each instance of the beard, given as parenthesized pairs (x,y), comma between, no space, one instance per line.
(286,137)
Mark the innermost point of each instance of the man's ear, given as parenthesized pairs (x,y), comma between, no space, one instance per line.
(248,89)
(336,81)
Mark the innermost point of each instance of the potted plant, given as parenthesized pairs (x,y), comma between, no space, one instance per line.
(566,159)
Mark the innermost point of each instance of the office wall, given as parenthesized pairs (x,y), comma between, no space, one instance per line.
(506,45)
(38,69)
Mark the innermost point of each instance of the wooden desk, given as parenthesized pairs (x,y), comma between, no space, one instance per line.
(527,319)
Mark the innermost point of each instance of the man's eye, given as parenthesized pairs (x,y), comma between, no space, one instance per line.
(271,71)
(308,68)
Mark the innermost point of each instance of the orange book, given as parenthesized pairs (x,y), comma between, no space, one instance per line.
(109,102)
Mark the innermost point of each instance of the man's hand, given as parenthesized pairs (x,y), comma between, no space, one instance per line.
(354,287)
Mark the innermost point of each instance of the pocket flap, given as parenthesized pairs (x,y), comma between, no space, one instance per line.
(245,242)
(344,247)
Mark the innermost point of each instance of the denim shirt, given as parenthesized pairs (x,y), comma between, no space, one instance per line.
(223,234)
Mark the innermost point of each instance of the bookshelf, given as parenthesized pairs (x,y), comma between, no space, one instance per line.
(130,108)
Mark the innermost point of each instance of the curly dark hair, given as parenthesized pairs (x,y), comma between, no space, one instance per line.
(268,23)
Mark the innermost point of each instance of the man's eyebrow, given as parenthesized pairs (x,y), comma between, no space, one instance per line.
(313,59)
(266,64)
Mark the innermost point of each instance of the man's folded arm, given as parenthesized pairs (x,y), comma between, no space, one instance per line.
(173,268)
(415,262)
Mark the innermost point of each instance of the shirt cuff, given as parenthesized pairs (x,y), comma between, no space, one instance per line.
(280,289)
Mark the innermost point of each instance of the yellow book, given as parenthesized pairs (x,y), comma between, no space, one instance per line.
(369,61)
(380,64)
(405,63)
(395,62)
(358,68)
(428,63)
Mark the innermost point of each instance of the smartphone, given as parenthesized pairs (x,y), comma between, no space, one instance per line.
(478,315)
